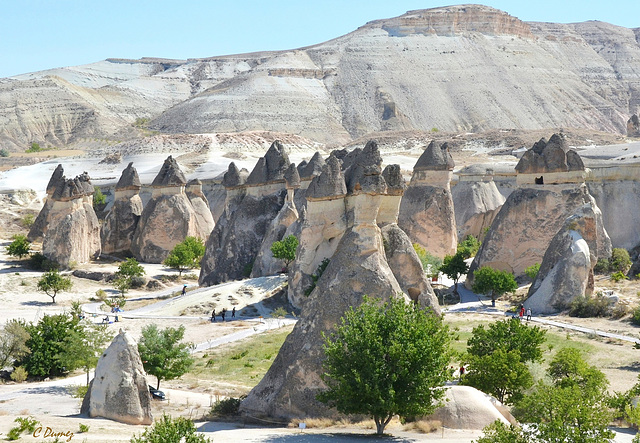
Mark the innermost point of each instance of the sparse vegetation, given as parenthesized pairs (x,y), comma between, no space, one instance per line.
(619,263)
(430,263)
(52,282)
(226,407)
(170,430)
(635,317)
(82,428)
(99,199)
(316,276)
(532,271)
(127,271)
(4,152)
(27,220)
(590,306)
(34,147)
(25,424)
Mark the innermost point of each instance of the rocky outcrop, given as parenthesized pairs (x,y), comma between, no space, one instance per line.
(468,408)
(122,220)
(633,126)
(41,222)
(357,267)
(73,233)
(119,389)
(476,200)
(523,229)
(204,218)
(566,271)
(426,211)
(168,218)
(250,209)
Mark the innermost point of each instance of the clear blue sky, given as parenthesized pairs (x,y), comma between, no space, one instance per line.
(42,34)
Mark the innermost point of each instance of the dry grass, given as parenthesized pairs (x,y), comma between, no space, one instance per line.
(423,426)
(3,412)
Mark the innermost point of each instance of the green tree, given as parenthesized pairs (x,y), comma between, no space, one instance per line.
(385,360)
(46,341)
(454,267)
(498,357)
(468,247)
(619,261)
(13,342)
(128,269)
(52,282)
(573,408)
(162,353)
(430,263)
(285,249)
(498,432)
(34,147)
(83,346)
(493,282)
(170,430)
(532,271)
(99,199)
(186,255)
(19,247)
(4,152)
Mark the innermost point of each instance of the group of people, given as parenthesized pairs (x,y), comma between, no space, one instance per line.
(223,314)
(521,313)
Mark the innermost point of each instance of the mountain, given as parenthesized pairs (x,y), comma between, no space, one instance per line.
(463,68)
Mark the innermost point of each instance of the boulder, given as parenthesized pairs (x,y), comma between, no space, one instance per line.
(476,204)
(523,229)
(41,223)
(567,266)
(122,220)
(633,126)
(119,389)
(73,234)
(204,218)
(426,211)
(468,408)
(168,218)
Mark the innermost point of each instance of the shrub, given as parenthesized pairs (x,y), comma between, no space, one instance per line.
(315,277)
(168,429)
(430,263)
(602,266)
(99,199)
(246,271)
(79,391)
(39,262)
(101,294)
(27,220)
(635,318)
(618,276)
(590,306)
(19,374)
(226,407)
(137,282)
(82,428)
(4,152)
(469,246)
(620,260)
(532,271)
(19,247)
(35,147)
(27,424)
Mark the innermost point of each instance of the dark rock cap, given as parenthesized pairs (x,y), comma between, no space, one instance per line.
(312,168)
(364,174)
(550,156)
(292,177)
(232,178)
(396,183)
(170,174)
(55,180)
(271,167)
(129,178)
(330,183)
(436,157)
(69,189)
(633,126)
(194,182)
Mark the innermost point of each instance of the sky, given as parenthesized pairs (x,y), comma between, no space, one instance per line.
(43,34)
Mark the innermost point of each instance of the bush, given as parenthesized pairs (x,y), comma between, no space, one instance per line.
(35,147)
(39,262)
(27,424)
(532,271)
(4,152)
(101,294)
(620,260)
(226,407)
(169,429)
(618,277)
(99,199)
(635,318)
(590,306)
(19,247)
(602,266)
(27,220)
(468,247)
(430,263)
(138,282)
(19,374)
(315,277)
(82,428)
(79,391)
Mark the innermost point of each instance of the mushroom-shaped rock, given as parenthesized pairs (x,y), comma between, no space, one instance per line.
(55,180)
(170,174)
(271,167)
(129,179)
(41,223)
(396,183)
(308,170)
(119,389)
(292,177)
(435,157)
(548,157)
(232,178)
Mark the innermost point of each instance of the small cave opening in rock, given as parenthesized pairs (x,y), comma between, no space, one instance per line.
(540,180)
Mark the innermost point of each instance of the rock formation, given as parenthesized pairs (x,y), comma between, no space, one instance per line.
(41,222)
(633,126)
(358,266)
(551,188)
(122,220)
(476,200)
(168,218)
(73,233)
(567,266)
(426,212)
(467,408)
(204,218)
(119,389)
(250,208)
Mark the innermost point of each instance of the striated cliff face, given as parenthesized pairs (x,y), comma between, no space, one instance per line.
(457,68)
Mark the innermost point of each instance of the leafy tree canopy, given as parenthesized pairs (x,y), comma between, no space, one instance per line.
(83,346)
(454,267)
(19,247)
(52,282)
(430,263)
(285,249)
(468,247)
(510,335)
(487,280)
(186,255)
(162,353)
(13,342)
(385,360)
(127,271)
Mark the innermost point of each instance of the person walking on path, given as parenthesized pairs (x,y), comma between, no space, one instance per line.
(222,314)
(528,314)
(184,289)
(213,316)
(521,312)
(233,312)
